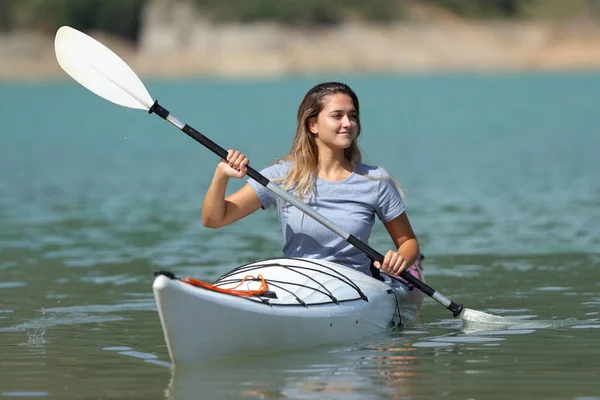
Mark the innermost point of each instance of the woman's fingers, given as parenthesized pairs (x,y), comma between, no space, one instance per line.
(393,263)
(235,165)
(237,161)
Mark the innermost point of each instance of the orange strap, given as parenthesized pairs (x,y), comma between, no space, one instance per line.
(243,293)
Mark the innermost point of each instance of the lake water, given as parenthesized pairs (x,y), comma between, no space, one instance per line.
(502,177)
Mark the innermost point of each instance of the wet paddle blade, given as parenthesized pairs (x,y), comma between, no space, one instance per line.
(100,70)
(476,316)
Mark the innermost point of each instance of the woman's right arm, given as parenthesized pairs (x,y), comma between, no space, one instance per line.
(218,211)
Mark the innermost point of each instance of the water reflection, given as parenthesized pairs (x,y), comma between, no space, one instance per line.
(370,372)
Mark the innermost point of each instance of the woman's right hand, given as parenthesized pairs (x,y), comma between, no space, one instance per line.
(235,166)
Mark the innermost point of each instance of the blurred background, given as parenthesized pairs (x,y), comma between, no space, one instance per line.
(485,111)
(175,38)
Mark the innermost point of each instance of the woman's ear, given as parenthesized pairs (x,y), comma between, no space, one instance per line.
(312,125)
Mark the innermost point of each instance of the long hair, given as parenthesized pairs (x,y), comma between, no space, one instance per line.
(304,155)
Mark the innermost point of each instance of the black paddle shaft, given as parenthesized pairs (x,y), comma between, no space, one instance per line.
(258,177)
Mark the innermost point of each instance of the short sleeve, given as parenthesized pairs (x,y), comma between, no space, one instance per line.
(273,172)
(389,201)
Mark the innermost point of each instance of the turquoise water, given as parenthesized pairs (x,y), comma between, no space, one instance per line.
(502,177)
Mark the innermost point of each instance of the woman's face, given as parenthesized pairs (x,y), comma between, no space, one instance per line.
(336,124)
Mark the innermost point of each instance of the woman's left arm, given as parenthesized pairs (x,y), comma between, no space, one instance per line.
(405,240)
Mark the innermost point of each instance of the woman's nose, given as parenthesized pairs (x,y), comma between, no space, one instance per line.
(346,121)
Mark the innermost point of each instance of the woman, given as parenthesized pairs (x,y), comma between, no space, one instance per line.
(324,170)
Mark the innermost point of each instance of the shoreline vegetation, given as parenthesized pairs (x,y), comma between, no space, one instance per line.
(182,39)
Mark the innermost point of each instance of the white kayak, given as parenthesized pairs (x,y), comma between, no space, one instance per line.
(307,303)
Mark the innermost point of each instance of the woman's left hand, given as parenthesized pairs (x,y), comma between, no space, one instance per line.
(393,263)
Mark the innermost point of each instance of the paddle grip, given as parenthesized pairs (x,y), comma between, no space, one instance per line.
(221,152)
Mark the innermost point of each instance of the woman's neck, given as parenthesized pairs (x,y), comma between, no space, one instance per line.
(334,167)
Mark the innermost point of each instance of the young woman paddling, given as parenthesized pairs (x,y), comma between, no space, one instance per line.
(323,169)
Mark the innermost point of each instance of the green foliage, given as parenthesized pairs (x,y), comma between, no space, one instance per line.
(117,17)
(300,12)
(482,8)
(124,17)
(6,13)
(555,9)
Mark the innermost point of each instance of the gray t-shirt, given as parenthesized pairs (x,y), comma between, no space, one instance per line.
(350,204)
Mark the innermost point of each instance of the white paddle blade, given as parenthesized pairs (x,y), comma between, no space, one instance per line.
(100,70)
(476,316)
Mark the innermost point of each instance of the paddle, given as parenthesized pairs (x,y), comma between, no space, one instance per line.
(101,71)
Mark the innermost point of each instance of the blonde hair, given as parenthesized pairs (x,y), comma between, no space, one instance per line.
(304,154)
